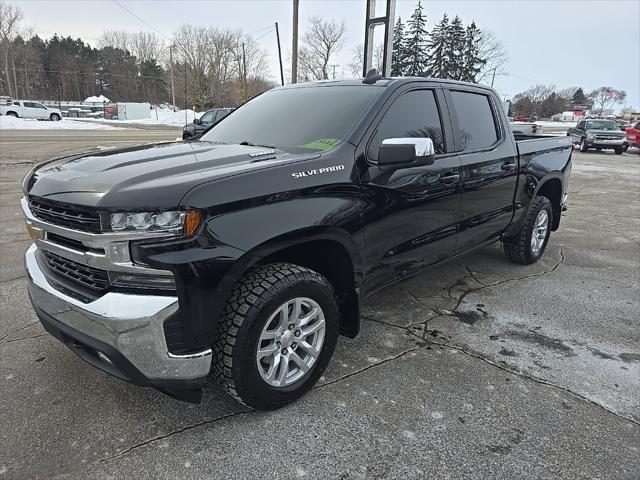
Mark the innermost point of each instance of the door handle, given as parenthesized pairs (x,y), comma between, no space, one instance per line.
(448,178)
(508,166)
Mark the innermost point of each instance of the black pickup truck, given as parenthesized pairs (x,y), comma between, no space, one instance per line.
(245,254)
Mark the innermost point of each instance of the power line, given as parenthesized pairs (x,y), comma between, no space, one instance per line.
(142,20)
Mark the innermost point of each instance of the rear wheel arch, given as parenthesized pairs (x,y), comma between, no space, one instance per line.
(552,189)
(11,113)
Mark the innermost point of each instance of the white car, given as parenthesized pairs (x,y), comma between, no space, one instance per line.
(27,109)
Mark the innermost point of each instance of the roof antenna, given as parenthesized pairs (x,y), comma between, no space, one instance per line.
(372,77)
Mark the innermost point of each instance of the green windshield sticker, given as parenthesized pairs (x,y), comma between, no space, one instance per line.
(323,144)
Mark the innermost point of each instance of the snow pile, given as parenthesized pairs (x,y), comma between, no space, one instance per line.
(12,123)
(166,116)
(94,99)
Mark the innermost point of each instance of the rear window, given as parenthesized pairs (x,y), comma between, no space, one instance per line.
(475,118)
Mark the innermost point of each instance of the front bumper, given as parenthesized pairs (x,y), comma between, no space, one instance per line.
(597,143)
(120,333)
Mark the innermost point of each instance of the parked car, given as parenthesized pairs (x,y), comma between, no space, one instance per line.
(193,131)
(524,128)
(248,252)
(598,134)
(633,135)
(520,118)
(27,109)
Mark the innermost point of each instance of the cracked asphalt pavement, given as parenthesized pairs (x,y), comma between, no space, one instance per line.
(477,369)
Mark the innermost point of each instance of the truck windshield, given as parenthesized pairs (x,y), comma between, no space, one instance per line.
(602,125)
(296,120)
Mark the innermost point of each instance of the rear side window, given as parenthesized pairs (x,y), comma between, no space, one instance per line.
(475,118)
(414,114)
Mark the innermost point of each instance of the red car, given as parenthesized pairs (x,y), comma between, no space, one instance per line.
(520,118)
(633,135)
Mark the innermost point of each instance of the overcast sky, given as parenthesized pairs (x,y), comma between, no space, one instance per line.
(588,43)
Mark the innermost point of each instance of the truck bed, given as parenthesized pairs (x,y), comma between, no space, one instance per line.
(528,145)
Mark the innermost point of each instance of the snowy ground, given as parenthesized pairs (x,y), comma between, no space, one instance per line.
(11,123)
(159,117)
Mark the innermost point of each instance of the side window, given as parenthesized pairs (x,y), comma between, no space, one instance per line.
(414,114)
(39,105)
(207,118)
(582,125)
(475,118)
(29,104)
(222,114)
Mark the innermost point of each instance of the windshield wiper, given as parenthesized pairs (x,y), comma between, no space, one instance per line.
(250,144)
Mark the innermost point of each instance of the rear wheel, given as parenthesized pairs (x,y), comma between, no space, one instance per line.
(529,244)
(12,114)
(276,336)
(583,146)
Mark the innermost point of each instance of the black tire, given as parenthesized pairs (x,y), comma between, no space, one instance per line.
(619,150)
(253,300)
(54,117)
(518,248)
(583,146)
(12,114)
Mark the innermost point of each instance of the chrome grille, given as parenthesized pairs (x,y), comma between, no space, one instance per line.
(65,215)
(92,278)
(605,136)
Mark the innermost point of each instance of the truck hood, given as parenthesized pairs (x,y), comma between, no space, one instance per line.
(147,177)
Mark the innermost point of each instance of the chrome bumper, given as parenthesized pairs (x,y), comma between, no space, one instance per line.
(131,324)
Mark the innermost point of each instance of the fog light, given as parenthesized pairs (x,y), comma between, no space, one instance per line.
(34,232)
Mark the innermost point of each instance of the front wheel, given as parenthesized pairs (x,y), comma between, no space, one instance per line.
(620,150)
(276,335)
(583,146)
(54,117)
(529,244)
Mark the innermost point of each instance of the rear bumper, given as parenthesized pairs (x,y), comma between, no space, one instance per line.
(121,334)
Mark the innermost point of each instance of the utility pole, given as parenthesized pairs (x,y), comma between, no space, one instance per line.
(493,77)
(244,73)
(334,70)
(279,54)
(294,43)
(173,87)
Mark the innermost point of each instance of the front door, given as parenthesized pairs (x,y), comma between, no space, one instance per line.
(412,219)
(489,166)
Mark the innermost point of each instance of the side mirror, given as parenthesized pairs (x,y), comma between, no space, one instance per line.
(409,152)
(197,121)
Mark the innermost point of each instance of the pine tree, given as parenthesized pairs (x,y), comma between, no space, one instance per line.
(579,98)
(436,62)
(454,50)
(415,47)
(398,56)
(472,63)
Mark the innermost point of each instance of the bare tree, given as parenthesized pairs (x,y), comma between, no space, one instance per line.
(10,17)
(355,66)
(322,39)
(223,67)
(493,53)
(605,98)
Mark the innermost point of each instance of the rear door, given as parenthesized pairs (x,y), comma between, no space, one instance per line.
(413,216)
(489,165)
(29,110)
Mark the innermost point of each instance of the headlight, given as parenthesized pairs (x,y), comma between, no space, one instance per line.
(590,136)
(173,222)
